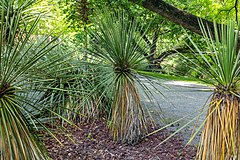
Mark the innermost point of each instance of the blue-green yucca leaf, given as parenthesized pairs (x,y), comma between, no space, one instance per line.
(65,83)
(222,62)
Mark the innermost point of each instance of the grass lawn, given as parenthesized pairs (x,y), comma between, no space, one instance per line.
(170,77)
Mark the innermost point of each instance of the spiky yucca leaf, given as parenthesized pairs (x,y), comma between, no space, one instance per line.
(220,135)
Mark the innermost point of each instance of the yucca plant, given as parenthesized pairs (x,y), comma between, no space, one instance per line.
(22,112)
(221,63)
(115,52)
(62,83)
(72,88)
(94,100)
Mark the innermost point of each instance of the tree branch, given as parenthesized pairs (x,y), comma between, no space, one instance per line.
(178,16)
(167,53)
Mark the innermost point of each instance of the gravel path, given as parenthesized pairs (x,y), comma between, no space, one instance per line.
(179,99)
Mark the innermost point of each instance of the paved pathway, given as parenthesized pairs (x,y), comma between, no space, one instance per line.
(179,99)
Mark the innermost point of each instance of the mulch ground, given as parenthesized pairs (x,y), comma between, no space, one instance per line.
(93,142)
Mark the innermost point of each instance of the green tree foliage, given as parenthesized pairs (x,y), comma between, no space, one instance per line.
(209,9)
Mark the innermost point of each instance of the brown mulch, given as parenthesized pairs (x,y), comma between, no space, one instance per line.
(93,142)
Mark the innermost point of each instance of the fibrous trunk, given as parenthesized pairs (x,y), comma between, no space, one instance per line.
(127,119)
(221,132)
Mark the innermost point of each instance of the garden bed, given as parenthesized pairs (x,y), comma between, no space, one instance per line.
(93,142)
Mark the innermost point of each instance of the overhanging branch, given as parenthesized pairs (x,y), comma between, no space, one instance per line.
(178,16)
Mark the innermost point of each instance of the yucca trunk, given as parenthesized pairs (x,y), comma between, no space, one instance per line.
(221,132)
(127,119)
